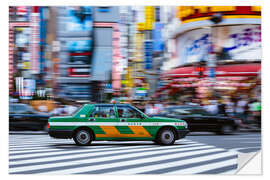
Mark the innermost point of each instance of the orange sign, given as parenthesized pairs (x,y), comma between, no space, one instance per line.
(196,13)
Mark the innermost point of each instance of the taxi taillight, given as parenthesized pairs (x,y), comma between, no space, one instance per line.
(48,126)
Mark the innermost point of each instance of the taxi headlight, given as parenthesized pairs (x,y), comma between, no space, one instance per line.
(182,124)
(185,124)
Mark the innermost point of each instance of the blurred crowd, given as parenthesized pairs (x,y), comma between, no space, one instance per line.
(243,108)
(64,110)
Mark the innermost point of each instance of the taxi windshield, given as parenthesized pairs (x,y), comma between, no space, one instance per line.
(77,110)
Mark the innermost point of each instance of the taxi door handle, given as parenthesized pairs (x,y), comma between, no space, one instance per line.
(91,119)
(123,120)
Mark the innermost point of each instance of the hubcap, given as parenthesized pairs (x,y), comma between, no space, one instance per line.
(167,137)
(83,137)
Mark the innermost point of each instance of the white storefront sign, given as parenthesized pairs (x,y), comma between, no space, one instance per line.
(243,43)
(35,43)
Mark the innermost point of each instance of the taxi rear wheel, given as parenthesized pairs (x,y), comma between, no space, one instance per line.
(166,136)
(82,137)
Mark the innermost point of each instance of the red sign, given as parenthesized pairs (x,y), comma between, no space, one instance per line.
(79,72)
(21,10)
(251,69)
(200,69)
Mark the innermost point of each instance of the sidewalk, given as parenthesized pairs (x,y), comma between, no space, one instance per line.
(249,128)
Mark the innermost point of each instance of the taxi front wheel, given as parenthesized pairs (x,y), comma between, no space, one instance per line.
(82,137)
(166,136)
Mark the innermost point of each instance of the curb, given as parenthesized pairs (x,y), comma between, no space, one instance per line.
(28,133)
(249,130)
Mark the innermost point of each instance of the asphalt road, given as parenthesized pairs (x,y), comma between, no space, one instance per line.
(198,153)
(244,142)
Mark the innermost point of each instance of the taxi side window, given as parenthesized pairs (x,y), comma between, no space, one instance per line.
(127,112)
(103,112)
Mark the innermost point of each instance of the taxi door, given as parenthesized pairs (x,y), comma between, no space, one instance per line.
(131,122)
(104,121)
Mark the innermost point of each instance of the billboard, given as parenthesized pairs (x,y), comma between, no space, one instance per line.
(157,36)
(25,87)
(78,31)
(79,51)
(149,17)
(79,72)
(148,53)
(243,42)
(79,19)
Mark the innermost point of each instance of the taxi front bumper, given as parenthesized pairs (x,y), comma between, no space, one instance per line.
(182,133)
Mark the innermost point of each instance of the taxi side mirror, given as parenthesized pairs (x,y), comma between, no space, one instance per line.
(141,116)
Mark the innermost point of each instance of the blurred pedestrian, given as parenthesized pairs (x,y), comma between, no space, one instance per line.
(221,108)
(240,109)
(148,108)
(256,112)
(158,107)
(58,110)
(165,104)
(230,107)
(63,110)
(212,107)
(69,109)
(195,102)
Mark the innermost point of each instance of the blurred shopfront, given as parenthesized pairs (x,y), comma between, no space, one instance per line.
(215,59)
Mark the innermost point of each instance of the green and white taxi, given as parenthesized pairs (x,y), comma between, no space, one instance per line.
(108,122)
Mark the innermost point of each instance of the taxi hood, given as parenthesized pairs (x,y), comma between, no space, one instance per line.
(165,119)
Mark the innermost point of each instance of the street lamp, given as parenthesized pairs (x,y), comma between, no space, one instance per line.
(216,19)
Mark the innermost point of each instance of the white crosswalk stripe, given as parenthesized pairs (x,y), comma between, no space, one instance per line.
(173,164)
(40,154)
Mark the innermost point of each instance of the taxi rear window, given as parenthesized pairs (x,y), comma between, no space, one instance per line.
(103,111)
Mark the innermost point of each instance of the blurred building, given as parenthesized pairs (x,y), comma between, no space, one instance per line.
(26,49)
(214,49)
(146,51)
(73,48)
(85,53)
(69,52)
(89,51)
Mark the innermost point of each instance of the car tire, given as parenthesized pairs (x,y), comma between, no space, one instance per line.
(166,136)
(156,141)
(83,137)
(226,129)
